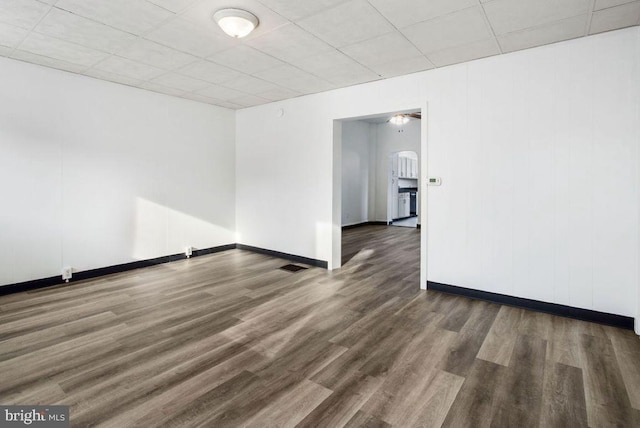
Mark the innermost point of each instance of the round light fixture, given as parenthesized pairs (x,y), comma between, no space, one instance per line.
(399,119)
(236,22)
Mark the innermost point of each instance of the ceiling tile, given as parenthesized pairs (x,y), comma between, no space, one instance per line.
(11,35)
(191,37)
(73,28)
(155,87)
(289,43)
(201,98)
(173,5)
(278,94)
(134,16)
(180,82)
(112,77)
(5,51)
(405,66)
(297,9)
(603,4)
(348,23)
(208,71)
(59,49)
(230,105)
(202,12)
(212,101)
(245,59)
(353,78)
(47,61)
(337,68)
(128,68)
(22,13)
(613,18)
(249,100)
(382,50)
(152,53)
(464,53)
(296,79)
(506,16)
(455,29)
(550,33)
(250,84)
(403,13)
(220,92)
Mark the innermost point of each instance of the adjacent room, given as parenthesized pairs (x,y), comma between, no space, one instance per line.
(310,213)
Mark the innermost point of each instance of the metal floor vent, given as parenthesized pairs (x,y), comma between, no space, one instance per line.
(293,268)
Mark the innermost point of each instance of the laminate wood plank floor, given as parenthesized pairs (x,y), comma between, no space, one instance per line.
(229,339)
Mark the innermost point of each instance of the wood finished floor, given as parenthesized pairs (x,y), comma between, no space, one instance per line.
(230,340)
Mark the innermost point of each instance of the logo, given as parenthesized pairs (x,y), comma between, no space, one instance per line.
(34,416)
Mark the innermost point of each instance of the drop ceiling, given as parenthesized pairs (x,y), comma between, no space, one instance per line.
(300,47)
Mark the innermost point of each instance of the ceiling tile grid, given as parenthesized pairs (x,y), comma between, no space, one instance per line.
(300,46)
(625,15)
(349,22)
(128,68)
(512,15)
(73,28)
(449,31)
(565,29)
(208,71)
(133,16)
(22,13)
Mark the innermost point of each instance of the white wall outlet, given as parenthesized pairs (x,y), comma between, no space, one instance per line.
(188,251)
(67,272)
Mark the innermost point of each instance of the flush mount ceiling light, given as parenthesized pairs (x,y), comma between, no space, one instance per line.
(399,119)
(236,22)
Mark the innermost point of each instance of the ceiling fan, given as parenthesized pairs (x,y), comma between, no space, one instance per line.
(402,118)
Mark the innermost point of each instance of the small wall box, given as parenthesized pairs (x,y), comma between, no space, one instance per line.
(434,181)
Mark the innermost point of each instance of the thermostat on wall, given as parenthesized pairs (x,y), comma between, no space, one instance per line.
(434,181)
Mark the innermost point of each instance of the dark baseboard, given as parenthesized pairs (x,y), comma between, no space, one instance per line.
(536,305)
(212,250)
(503,299)
(366,223)
(94,273)
(286,256)
(353,226)
(30,285)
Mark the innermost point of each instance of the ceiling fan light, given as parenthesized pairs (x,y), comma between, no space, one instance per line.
(236,23)
(399,119)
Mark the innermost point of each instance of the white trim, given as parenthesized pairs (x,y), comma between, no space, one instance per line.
(423,190)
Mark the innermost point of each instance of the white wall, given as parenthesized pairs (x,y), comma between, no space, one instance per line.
(358,171)
(95,174)
(538,152)
(392,139)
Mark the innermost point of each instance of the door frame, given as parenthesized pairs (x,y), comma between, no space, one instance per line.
(335,261)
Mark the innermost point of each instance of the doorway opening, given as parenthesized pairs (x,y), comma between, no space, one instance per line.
(377,174)
(402,197)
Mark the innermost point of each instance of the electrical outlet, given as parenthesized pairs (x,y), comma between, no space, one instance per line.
(188,251)
(67,273)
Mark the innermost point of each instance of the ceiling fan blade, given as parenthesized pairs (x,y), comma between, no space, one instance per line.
(415,115)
